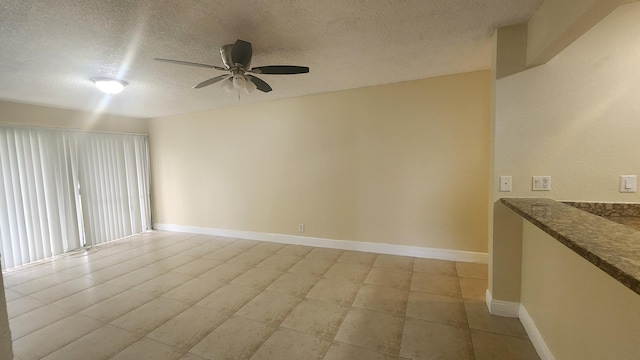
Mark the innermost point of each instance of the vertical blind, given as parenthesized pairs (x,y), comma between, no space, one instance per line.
(114,187)
(62,189)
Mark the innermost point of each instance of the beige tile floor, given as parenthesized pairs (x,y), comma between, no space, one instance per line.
(163,295)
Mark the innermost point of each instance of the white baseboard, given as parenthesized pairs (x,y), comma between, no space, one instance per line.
(502,308)
(404,250)
(517,310)
(534,335)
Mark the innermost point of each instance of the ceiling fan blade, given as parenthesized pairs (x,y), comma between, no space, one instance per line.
(211,81)
(241,53)
(280,70)
(260,84)
(190,64)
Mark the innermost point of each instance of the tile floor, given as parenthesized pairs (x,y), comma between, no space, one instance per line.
(162,295)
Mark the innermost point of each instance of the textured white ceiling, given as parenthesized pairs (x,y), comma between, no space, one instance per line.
(50,49)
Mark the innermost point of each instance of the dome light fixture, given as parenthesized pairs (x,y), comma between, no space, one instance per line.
(108,85)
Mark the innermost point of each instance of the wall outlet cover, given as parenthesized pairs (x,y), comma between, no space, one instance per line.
(542,183)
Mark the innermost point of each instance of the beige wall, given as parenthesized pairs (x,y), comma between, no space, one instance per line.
(35,115)
(404,163)
(575,118)
(506,254)
(581,312)
(558,23)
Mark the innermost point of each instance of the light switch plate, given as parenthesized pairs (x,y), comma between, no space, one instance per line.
(541,183)
(628,183)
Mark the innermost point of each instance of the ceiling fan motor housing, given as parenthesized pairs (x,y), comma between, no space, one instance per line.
(225,53)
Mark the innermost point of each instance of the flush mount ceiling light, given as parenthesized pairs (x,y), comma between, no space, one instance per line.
(108,85)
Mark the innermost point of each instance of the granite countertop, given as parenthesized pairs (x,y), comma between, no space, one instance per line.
(630,221)
(611,246)
(623,213)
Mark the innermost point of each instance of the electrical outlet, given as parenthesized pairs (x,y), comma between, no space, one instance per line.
(541,183)
(300,228)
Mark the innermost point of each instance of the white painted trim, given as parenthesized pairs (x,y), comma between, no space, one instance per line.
(517,310)
(487,299)
(404,250)
(534,335)
(502,308)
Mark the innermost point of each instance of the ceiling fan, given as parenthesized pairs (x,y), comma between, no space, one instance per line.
(236,58)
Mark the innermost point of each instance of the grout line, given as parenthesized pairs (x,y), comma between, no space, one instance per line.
(466,317)
(404,318)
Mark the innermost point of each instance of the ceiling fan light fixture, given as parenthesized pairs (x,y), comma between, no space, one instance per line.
(108,85)
(227,85)
(250,87)
(239,82)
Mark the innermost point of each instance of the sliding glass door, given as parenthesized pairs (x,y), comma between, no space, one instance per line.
(62,189)
(37,203)
(113,177)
